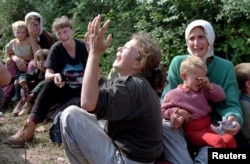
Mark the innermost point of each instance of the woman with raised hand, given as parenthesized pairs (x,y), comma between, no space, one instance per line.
(129,103)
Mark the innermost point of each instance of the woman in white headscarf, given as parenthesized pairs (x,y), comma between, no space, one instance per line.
(39,39)
(200,38)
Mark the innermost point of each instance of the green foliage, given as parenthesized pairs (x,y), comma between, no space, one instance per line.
(165,20)
(10,11)
(233,30)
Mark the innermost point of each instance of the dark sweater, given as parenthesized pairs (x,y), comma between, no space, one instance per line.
(133,111)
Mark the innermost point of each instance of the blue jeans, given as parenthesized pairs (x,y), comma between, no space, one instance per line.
(175,149)
(85,141)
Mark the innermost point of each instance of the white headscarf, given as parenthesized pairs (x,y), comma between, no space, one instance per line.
(38,15)
(209,33)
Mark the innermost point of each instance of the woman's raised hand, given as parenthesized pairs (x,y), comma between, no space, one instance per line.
(94,38)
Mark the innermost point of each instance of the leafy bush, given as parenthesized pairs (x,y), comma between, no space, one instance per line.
(165,20)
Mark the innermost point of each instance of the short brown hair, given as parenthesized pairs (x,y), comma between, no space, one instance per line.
(242,71)
(61,22)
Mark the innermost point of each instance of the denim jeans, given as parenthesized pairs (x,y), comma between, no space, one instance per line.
(85,141)
(175,149)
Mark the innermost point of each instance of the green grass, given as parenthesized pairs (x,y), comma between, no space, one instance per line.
(40,151)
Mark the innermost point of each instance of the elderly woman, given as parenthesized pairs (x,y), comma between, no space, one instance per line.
(200,38)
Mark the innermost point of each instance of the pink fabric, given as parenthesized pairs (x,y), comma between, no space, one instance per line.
(193,102)
(31,66)
(198,129)
(12,68)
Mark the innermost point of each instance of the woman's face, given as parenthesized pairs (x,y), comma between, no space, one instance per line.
(33,27)
(65,35)
(125,61)
(197,42)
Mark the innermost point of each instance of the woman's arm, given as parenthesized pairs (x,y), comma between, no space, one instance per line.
(97,45)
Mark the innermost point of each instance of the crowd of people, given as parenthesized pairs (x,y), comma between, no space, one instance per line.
(20,51)
(123,119)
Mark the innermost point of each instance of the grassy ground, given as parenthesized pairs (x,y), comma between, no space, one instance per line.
(40,151)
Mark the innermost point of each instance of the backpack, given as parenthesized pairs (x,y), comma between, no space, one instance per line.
(55,129)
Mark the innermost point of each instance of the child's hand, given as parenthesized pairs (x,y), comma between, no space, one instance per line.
(204,81)
(184,114)
(176,121)
(181,116)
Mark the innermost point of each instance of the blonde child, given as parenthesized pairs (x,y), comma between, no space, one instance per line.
(243,77)
(192,99)
(27,80)
(19,51)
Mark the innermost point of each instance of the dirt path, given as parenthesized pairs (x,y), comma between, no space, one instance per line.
(9,155)
(40,151)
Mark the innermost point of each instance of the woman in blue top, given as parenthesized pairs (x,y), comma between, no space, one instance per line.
(200,38)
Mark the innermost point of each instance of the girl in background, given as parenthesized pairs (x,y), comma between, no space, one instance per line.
(27,80)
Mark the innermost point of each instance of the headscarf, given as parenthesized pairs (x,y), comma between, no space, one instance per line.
(209,33)
(38,15)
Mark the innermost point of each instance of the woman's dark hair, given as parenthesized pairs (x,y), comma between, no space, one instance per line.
(150,54)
